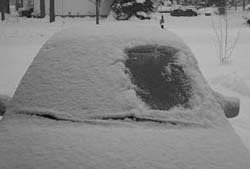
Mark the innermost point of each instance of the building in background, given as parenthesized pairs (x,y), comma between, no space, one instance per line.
(72,7)
(4,6)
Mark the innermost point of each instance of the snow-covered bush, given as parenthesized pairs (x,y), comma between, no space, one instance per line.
(247,7)
(125,9)
(247,19)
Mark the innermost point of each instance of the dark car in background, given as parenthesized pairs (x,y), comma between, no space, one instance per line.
(183,12)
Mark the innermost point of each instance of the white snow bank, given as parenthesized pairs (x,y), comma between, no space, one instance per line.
(234,82)
(20,41)
(29,142)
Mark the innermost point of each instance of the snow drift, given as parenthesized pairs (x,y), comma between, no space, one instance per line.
(89,109)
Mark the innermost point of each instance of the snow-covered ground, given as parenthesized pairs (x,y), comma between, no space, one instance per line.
(20,40)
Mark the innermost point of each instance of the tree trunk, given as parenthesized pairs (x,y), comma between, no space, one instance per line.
(7,6)
(52,11)
(16,5)
(222,7)
(97,5)
(235,5)
(42,8)
(2,10)
(244,4)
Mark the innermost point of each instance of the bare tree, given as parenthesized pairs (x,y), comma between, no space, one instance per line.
(222,4)
(235,5)
(52,11)
(16,5)
(243,4)
(224,43)
(42,8)
(97,9)
(7,6)
(2,6)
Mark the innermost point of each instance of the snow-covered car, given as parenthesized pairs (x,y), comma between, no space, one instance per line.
(121,16)
(169,8)
(142,15)
(208,11)
(115,97)
(194,8)
(183,12)
(180,10)
(26,11)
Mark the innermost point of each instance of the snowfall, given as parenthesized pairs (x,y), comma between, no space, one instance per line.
(21,39)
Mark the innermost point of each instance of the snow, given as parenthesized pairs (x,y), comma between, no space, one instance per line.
(142,147)
(140,1)
(231,79)
(29,142)
(19,44)
(39,143)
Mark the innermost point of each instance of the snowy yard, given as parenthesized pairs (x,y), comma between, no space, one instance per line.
(21,39)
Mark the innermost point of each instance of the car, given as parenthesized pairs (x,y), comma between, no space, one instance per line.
(190,12)
(183,12)
(26,12)
(114,96)
(177,12)
(207,11)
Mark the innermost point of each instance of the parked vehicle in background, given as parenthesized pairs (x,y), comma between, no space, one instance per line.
(184,11)
(26,11)
(208,11)
(24,8)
